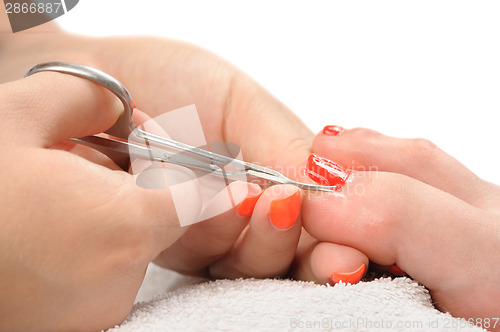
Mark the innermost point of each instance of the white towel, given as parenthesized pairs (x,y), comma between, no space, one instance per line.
(284,305)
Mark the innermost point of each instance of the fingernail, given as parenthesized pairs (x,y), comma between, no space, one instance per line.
(333,130)
(325,172)
(396,270)
(248,205)
(349,278)
(133,102)
(284,212)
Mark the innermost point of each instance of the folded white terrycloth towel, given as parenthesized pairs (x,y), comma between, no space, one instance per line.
(285,305)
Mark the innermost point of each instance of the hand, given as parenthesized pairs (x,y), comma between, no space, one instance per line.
(76,237)
(422,210)
(163,75)
(236,109)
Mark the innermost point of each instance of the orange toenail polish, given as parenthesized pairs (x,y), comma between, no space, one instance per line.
(350,278)
(284,212)
(333,130)
(246,207)
(396,270)
(325,172)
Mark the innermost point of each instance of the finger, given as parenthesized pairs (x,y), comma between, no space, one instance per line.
(209,240)
(365,149)
(95,156)
(204,242)
(325,262)
(280,142)
(87,153)
(268,246)
(48,108)
(153,216)
(53,107)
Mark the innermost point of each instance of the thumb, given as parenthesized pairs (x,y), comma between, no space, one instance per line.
(54,107)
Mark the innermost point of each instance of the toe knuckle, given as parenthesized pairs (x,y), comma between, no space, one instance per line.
(422,148)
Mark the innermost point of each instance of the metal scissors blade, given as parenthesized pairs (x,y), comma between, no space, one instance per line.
(278,178)
(116,148)
(128,137)
(251,169)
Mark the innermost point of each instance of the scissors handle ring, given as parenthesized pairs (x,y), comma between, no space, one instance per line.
(124,126)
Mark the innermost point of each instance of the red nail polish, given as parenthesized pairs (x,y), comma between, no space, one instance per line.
(396,270)
(284,212)
(350,278)
(333,130)
(248,205)
(133,102)
(325,172)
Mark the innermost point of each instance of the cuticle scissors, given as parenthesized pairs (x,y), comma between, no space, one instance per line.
(125,137)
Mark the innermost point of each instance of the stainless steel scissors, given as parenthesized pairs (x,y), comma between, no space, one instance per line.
(127,137)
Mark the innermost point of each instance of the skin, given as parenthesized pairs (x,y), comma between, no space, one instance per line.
(90,246)
(88,231)
(421,210)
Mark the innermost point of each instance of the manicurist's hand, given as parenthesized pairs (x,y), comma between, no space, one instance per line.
(77,232)
(76,236)
(163,75)
(257,238)
(422,210)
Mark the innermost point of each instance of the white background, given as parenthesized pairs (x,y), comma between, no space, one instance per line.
(406,68)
